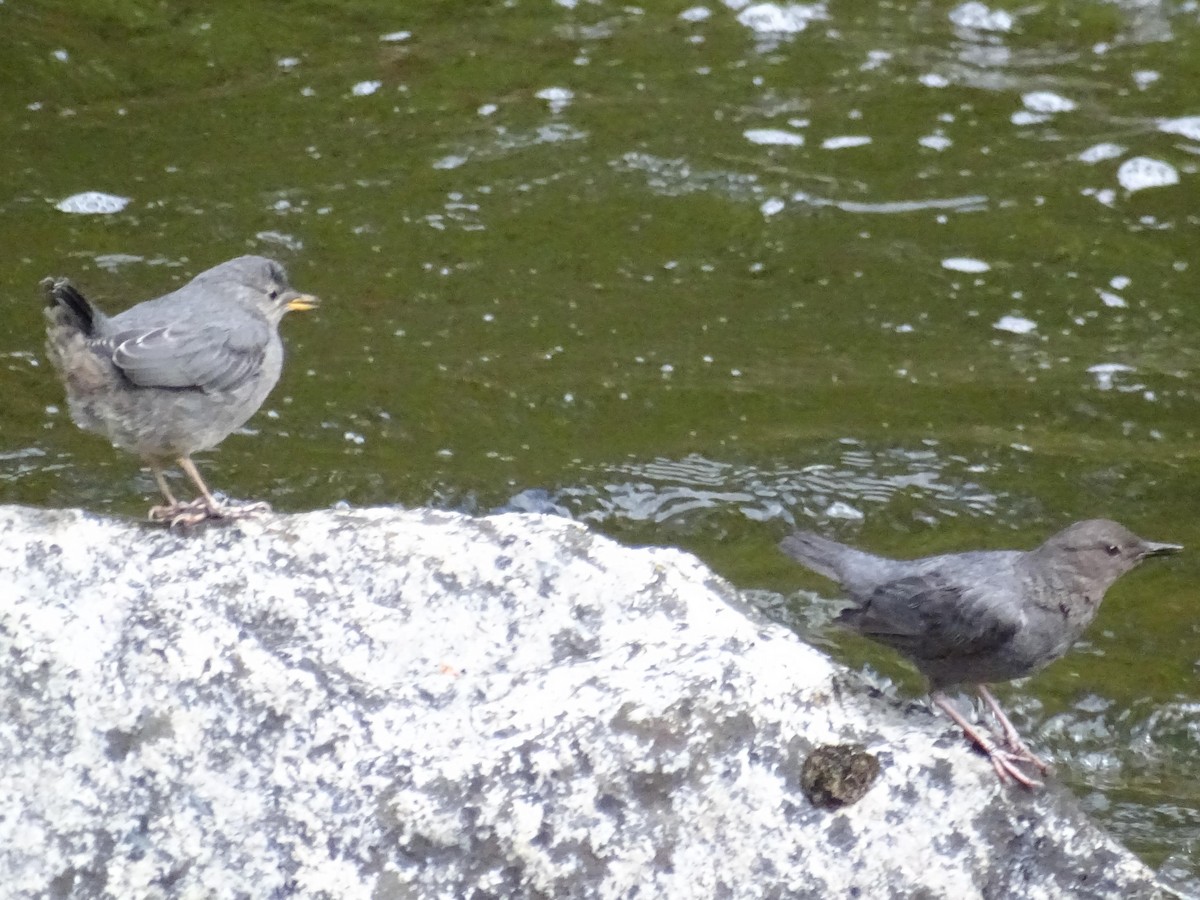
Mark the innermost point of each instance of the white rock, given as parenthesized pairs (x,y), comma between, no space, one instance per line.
(386,703)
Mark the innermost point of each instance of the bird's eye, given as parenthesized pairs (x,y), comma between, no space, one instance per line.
(273,293)
(1112,550)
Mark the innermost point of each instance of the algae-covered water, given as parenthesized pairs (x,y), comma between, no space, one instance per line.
(921,275)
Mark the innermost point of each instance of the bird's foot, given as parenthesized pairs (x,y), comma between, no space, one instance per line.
(232,509)
(1006,765)
(180,514)
(1018,751)
(1005,762)
(188,515)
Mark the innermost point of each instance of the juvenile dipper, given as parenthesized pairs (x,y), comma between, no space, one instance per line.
(175,375)
(971,618)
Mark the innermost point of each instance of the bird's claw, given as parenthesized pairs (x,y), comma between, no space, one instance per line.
(180,513)
(188,515)
(232,510)
(1018,752)
(1006,767)
(1005,762)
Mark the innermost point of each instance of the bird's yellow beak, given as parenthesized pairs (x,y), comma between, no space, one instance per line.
(303,303)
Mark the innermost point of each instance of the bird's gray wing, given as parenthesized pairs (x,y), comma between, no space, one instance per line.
(210,357)
(930,617)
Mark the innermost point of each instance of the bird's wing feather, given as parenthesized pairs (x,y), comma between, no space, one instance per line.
(928,616)
(212,357)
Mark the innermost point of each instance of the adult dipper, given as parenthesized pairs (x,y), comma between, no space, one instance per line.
(175,375)
(971,618)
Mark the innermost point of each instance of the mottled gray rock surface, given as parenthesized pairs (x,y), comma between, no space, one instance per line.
(388,704)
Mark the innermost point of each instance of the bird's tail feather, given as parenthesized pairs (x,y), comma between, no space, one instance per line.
(62,294)
(822,555)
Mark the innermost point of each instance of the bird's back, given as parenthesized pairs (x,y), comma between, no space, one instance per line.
(957,617)
(169,376)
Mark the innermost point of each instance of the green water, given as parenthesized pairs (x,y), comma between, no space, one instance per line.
(615,300)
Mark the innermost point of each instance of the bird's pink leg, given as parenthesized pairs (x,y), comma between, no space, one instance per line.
(1012,738)
(1002,762)
(174,508)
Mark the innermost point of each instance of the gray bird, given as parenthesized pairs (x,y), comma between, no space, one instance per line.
(983,616)
(175,375)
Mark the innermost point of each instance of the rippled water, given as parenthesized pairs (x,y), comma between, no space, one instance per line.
(920,275)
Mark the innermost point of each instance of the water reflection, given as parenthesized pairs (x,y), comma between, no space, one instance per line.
(684,490)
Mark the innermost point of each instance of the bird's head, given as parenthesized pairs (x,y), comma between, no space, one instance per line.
(1101,550)
(262,283)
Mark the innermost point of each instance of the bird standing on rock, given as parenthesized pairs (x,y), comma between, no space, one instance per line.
(983,616)
(173,376)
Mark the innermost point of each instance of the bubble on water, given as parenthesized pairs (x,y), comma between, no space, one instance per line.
(1143,172)
(365,88)
(773,137)
(558,98)
(1188,127)
(1100,152)
(844,141)
(92,203)
(288,241)
(965,264)
(772,206)
(979,17)
(1015,324)
(1104,372)
(773,18)
(1027,117)
(1047,102)
(840,510)
(110,262)
(1143,78)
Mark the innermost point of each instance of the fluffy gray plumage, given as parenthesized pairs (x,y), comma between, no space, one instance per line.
(175,375)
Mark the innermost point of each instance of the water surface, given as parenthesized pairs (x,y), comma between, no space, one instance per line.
(920,275)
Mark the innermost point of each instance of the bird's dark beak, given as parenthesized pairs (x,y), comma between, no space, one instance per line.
(1150,548)
(303,303)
